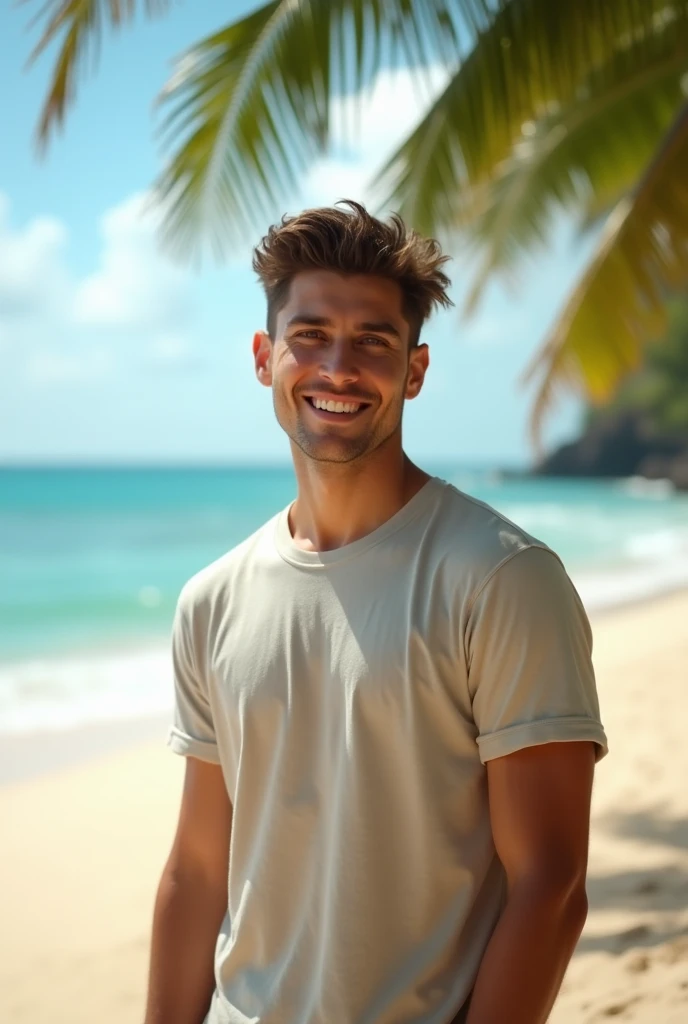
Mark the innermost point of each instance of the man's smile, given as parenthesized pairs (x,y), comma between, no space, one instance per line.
(336,408)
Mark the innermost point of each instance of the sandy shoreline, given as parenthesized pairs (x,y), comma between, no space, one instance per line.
(82,846)
(29,755)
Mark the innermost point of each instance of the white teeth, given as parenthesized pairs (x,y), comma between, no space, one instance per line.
(331,406)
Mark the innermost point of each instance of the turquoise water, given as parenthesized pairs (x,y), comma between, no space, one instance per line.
(92,560)
(91,556)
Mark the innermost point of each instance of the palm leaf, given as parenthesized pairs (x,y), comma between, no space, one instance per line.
(250,104)
(534,58)
(79,24)
(589,154)
(619,305)
(595,210)
(248,109)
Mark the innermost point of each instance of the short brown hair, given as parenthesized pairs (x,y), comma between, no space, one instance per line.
(352,242)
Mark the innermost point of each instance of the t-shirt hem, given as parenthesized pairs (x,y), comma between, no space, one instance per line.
(187,746)
(533,734)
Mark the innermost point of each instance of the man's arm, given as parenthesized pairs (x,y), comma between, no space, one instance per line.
(540,814)
(191,901)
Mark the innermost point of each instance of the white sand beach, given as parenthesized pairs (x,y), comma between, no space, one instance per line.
(82,847)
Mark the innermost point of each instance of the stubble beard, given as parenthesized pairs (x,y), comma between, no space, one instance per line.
(341,450)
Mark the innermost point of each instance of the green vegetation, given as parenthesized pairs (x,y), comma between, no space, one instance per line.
(660,389)
(549,106)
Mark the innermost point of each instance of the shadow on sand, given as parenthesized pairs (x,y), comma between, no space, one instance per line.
(658,892)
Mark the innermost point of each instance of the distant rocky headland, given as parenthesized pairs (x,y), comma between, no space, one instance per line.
(621,444)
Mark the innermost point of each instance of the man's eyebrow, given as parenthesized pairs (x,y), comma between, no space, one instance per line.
(309,319)
(379,327)
(374,326)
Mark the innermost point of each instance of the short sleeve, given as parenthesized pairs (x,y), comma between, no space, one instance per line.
(529,653)
(192,732)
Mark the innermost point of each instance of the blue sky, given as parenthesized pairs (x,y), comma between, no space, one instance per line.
(109,352)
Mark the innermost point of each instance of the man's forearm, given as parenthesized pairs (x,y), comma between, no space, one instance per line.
(186,922)
(527,956)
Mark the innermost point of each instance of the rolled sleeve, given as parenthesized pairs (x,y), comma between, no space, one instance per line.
(192,732)
(529,652)
(181,743)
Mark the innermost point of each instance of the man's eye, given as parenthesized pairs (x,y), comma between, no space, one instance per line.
(369,340)
(310,334)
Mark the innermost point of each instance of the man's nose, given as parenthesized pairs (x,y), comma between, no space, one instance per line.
(338,364)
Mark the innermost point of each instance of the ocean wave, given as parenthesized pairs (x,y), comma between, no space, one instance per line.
(657,544)
(630,583)
(641,487)
(60,693)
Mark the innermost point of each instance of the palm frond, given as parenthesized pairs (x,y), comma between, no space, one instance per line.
(535,58)
(79,25)
(248,108)
(620,303)
(587,155)
(595,210)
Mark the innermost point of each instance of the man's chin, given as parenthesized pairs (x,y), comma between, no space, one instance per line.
(331,449)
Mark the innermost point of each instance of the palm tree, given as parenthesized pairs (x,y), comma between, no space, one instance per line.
(549,106)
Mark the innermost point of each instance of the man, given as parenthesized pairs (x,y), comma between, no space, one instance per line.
(385,698)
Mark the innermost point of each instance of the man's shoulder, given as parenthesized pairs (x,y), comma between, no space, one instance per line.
(477,538)
(214,581)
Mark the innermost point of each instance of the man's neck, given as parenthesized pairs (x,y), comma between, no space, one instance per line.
(338,504)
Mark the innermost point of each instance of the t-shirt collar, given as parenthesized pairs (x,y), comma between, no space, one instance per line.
(295,555)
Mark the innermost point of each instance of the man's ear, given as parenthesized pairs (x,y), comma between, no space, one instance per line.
(262,357)
(419,360)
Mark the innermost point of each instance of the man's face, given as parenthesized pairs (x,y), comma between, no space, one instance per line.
(343,339)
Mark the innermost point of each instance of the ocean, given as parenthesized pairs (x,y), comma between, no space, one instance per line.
(92,561)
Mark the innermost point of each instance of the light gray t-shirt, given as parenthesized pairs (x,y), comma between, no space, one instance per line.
(352,698)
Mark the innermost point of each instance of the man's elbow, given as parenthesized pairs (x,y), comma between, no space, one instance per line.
(575,910)
(557,891)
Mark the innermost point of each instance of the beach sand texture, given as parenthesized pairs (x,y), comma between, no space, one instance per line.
(81,852)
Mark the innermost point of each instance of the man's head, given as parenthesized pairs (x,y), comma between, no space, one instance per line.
(347,295)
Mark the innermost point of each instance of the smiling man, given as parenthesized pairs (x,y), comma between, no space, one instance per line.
(385,698)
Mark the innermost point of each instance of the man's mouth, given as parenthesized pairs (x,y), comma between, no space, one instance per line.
(336,408)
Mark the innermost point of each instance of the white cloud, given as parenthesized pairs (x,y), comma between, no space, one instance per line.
(65,330)
(332,179)
(33,279)
(135,286)
(382,117)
